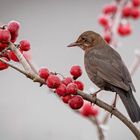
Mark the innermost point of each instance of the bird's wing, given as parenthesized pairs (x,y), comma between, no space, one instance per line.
(111,68)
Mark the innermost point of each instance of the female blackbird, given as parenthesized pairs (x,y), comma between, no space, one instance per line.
(106,69)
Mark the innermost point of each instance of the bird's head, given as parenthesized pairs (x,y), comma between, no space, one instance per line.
(87,40)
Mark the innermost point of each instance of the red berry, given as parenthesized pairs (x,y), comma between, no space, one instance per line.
(66,98)
(3,66)
(24,45)
(44,73)
(61,90)
(86,109)
(3,46)
(71,88)
(95,111)
(89,110)
(53,81)
(107,37)
(135,13)
(126,12)
(6,55)
(67,80)
(104,20)
(136,3)
(13,56)
(13,26)
(110,8)
(124,29)
(79,84)
(76,71)
(76,102)
(4,36)
(14,36)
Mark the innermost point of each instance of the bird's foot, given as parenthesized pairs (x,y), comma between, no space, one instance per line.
(114,105)
(113,108)
(95,93)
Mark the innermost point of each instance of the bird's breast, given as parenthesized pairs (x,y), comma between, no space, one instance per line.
(91,69)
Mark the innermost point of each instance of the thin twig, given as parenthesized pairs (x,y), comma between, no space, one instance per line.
(35,79)
(95,121)
(21,58)
(12,66)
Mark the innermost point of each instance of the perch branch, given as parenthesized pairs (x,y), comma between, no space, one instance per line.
(100,103)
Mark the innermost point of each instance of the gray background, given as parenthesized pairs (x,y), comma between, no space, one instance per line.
(28,112)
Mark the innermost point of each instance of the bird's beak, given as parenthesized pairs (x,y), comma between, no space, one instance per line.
(74,44)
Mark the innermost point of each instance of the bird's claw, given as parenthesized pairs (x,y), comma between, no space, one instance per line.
(113,108)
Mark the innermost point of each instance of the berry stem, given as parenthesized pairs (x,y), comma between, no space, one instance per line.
(22,60)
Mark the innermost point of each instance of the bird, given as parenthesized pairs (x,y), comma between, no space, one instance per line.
(106,69)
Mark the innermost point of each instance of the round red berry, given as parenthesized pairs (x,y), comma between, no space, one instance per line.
(79,84)
(104,20)
(3,46)
(110,8)
(135,13)
(6,55)
(86,110)
(53,81)
(126,12)
(14,36)
(61,90)
(124,29)
(24,45)
(13,26)
(95,111)
(136,3)
(3,66)
(89,110)
(76,102)
(5,36)
(76,71)
(13,56)
(71,88)
(107,37)
(44,73)
(66,98)
(67,80)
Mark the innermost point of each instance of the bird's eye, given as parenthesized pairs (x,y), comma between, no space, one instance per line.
(84,39)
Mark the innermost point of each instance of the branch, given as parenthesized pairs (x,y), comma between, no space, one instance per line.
(115,112)
(94,120)
(92,99)
(21,58)
(28,75)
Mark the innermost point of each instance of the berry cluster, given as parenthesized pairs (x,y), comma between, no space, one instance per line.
(66,88)
(131,10)
(9,34)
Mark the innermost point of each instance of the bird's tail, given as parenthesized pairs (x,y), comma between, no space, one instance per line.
(130,104)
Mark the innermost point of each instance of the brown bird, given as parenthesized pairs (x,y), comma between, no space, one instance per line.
(106,69)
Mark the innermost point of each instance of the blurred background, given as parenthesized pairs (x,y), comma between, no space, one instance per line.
(28,112)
